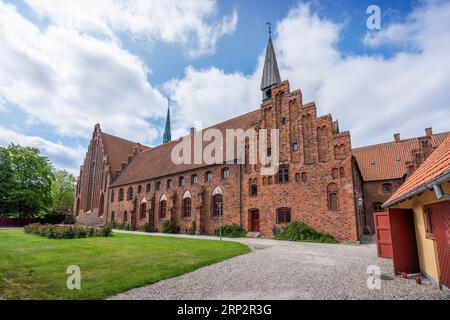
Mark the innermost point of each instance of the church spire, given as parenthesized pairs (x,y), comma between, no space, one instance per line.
(167,137)
(271,74)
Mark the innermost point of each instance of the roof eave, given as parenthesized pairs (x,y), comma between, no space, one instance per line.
(429,185)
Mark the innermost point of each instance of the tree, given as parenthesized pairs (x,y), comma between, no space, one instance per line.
(63,188)
(25,182)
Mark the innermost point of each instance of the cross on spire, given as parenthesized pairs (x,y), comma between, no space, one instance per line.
(270,27)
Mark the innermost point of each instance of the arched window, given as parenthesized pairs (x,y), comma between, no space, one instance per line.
(342,172)
(334,173)
(147,188)
(130,193)
(264,180)
(283,175)
(101,205)
(208,176)
(143,210)
(225,174)
(217,205)
(377,207)
(113,216)
(125,217)
(253,190)
(112,196)
(139,189)
(332,192)
(187,207)
(194,179)
(120,195)
(162,209)
(181,181)
(169,184)
(158,185)
(295,146)
(304,177)
(90,184)
(387,187)
(283,215)
(269,181)
(297,177)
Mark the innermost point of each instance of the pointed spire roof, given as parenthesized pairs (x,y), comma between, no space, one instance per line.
(167,137)
(271,74)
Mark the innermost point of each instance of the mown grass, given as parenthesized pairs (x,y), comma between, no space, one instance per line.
(33,267)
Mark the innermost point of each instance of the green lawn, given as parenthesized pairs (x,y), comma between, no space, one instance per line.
(32,267)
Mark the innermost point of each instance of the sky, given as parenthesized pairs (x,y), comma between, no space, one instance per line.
(67,65)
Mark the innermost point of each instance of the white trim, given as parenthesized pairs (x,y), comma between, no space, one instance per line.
(217,190)
(163,198)
(187,194)
(144,200)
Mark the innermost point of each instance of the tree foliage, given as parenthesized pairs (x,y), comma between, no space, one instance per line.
(63,188)
(25,182)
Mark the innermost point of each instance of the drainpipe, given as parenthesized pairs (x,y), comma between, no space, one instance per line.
(440,193)
(240,195)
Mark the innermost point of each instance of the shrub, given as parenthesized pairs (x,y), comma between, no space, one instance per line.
(192,230)
(299,231)
(54,217)
(168,227)
(66,231)
(119,226)
(145,228)
(231,231)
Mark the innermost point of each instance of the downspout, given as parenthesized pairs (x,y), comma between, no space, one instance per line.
(240,195)
(440,193)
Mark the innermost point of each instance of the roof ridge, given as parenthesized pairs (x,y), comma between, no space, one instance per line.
(123,139)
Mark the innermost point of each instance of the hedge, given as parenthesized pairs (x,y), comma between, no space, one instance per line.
(67,231)
(300,231)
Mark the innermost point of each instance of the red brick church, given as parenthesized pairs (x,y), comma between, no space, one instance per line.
(320,181)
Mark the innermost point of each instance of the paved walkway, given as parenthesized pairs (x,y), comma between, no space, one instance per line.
(288,270)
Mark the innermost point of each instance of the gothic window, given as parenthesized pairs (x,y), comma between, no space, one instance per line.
(332,192)
(101,205)
(208,176)
(143,210)
(387,187)
(139,189)
(113,216)
(297,177)
(283,215)
(120,195)
(194,179)
(125,217)
(225,173)
(147,188)
(217,205)
(334,173)
(283,175)
(169,184)
(269,181)
(269,152)
(304,177)
(295,146)
(181,181)
(130,194)
(90,186)
(112,196)
(187,207)
(264,180)
(158,185)
(377,207)
(77,208)
(253,190)
(162,209)
(342,172)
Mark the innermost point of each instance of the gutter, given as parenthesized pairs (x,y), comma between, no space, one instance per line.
(433,184)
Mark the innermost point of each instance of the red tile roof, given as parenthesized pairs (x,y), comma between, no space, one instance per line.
(437,165)
(157,162)
(118,149)
(387,160)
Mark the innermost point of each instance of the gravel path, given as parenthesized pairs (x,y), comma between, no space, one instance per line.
(286,270)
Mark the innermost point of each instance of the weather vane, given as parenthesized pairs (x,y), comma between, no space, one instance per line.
(270,27)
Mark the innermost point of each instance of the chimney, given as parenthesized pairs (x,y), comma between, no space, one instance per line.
(429,132)
(192,131)
(397,137)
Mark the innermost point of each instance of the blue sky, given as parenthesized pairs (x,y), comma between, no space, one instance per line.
(67,67)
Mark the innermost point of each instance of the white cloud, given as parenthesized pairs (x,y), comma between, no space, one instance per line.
(193,23)
(71,81)
(60,155)
(372,96)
